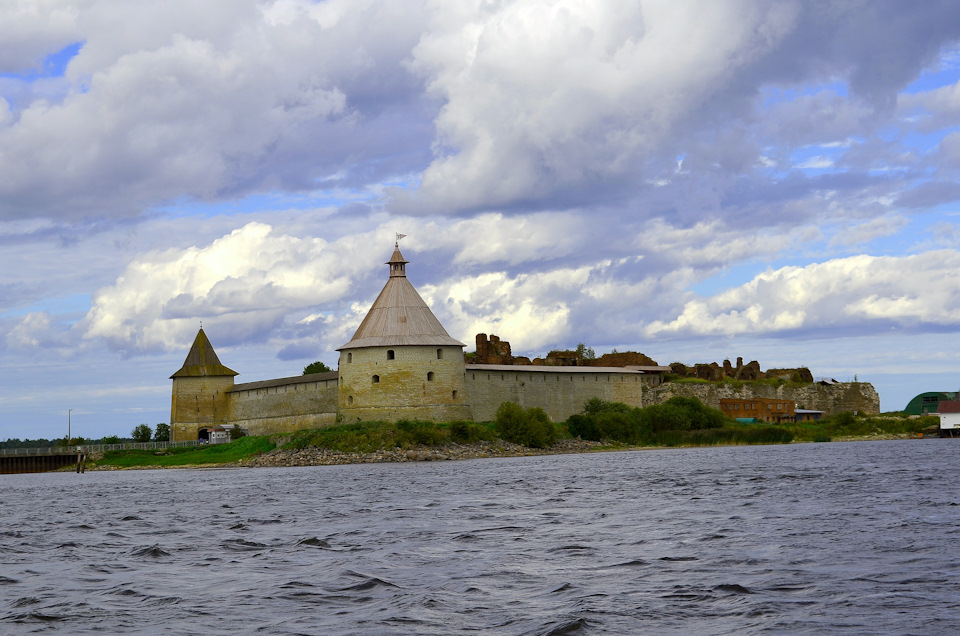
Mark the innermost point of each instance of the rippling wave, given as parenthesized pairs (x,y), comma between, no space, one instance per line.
(858,538)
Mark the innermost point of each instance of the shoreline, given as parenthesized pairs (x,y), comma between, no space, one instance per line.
(315,456)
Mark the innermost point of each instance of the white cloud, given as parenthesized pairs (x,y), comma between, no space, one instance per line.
(493,237)
(244,282)
(202,101)
(818,162)
(531,308)
(863,292)
(861,233)
(544,96)
(33,29)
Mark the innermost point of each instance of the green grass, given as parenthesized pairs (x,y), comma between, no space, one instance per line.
(732,436)
(849,425)
(368,437)
(208,454)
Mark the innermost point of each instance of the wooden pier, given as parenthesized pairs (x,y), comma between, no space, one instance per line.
(42,460)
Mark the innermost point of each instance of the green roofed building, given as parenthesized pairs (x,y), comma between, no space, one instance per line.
(928,402)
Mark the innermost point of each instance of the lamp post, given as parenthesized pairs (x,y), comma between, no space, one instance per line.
(68,426)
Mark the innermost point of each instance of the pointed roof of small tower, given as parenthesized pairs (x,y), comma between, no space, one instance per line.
(202,360)
(399,316)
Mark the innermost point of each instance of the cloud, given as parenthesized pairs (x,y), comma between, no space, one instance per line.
(216,101)
(863,293)
(862,233)
(531,308)
(31,30)
(473,108)
(34,330)
(245,283)
(571,101)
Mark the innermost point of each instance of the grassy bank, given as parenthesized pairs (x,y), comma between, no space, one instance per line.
(198,455)
(847,425)
(368,437)
(680,422)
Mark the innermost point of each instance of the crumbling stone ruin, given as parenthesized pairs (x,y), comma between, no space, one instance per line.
(560,359)
(493,350)
(624,359)
(750,371)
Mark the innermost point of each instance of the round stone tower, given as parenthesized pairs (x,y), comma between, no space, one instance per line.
(401,363)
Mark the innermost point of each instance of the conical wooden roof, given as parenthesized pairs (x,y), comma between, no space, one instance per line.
(399,316)
(202,360)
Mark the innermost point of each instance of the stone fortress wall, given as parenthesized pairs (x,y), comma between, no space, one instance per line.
(287,404)
(560,391)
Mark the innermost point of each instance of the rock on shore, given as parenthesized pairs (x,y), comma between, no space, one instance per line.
(313,456)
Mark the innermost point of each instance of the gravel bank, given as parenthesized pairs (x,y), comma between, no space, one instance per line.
(313,456)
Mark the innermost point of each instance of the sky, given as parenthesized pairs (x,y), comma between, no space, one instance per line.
(699,180)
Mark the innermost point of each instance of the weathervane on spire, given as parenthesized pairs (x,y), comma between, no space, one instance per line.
(399,236)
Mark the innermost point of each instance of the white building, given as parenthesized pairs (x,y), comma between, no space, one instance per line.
(949,412)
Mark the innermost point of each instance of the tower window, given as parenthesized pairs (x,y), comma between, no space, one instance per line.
(390,354)
(454,395)
(349,399)
(349,357)
(439,354)
(429,376)
(376,379)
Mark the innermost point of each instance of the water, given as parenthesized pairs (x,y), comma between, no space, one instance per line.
(853,538)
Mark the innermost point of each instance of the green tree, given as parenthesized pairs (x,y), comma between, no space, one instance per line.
(110,439)
(585,353)
(316,367)
(531,427)
(142,433)
(161,433)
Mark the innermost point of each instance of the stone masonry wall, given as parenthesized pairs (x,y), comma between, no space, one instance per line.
(560,394)
(843,396)
(198,402)
(423,382)
(284,408)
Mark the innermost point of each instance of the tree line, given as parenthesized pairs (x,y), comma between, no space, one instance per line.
(140,433)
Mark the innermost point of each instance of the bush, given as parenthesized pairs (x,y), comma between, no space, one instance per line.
(463,432)
(419,432)
(531,427)
(584,427)
(542,431)
(622,423)
(683,414)
(629,427)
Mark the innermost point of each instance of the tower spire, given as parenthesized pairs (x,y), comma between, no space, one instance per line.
(398,266)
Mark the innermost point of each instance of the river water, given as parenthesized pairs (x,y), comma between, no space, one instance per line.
(853,538)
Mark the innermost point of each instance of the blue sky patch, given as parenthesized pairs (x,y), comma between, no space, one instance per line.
(54,65)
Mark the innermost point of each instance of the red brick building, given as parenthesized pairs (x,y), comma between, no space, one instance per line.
(762,409)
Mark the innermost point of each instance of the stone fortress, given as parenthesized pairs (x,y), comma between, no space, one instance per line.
(402,364)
